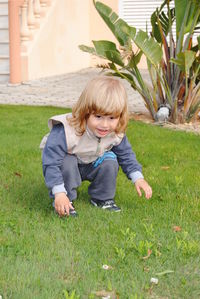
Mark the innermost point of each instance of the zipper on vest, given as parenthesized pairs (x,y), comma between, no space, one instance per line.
(98,145)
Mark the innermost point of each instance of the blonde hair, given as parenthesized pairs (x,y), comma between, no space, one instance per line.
(102,95)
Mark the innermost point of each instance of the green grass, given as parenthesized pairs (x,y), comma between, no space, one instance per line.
(41,255)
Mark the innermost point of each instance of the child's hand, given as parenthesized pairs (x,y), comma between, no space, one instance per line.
(142,184)
(62,204)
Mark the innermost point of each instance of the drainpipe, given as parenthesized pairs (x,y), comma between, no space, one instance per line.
(14,40)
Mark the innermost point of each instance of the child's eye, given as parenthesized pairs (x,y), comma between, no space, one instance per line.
(98,116)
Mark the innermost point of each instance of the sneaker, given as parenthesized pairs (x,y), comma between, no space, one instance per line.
(109,204)
(72,213)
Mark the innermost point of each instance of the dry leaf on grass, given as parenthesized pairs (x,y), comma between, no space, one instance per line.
(18,174)
(176,228)
(148,254)
(165,167)
(146,269)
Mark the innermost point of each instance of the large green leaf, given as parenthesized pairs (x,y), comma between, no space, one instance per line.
(185,60)
(104,49)
(149,47)
(165,20)
(180,8)
(108,50)
(135,59)
(87,49)
(119,27)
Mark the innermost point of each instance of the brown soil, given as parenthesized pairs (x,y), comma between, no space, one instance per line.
(193,127)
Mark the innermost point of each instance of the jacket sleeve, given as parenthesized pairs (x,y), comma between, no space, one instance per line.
(52,159)
(127,160)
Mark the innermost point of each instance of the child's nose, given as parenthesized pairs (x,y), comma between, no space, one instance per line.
(105,122)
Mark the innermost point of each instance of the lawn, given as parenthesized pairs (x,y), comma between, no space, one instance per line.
(43,256)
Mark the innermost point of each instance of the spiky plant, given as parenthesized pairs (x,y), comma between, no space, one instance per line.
(173,65)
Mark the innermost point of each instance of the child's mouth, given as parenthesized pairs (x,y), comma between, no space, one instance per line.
(102,132)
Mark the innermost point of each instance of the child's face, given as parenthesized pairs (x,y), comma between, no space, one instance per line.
(102,125)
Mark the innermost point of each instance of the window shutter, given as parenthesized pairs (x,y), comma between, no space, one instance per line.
(137,13)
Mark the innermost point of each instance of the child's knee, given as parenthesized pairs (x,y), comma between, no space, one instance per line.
(70,163)
(109,167)
(71,174)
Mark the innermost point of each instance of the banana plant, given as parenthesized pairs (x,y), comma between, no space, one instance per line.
(180,64)
(173,66)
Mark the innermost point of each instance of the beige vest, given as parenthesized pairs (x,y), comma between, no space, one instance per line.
(87,147)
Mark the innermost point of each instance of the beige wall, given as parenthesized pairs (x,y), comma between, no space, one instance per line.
(55,48)
(68,24)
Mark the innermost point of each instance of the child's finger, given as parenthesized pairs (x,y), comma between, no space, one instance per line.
(66,209)
(148,193)
(138,191)
(62,211)
(58,210)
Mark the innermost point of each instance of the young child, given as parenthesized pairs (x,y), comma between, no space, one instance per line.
(90,144)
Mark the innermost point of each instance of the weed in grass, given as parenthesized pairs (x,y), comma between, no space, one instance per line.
(71,296)
(187,246)
(149,231)
(121,254)
(143,248)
